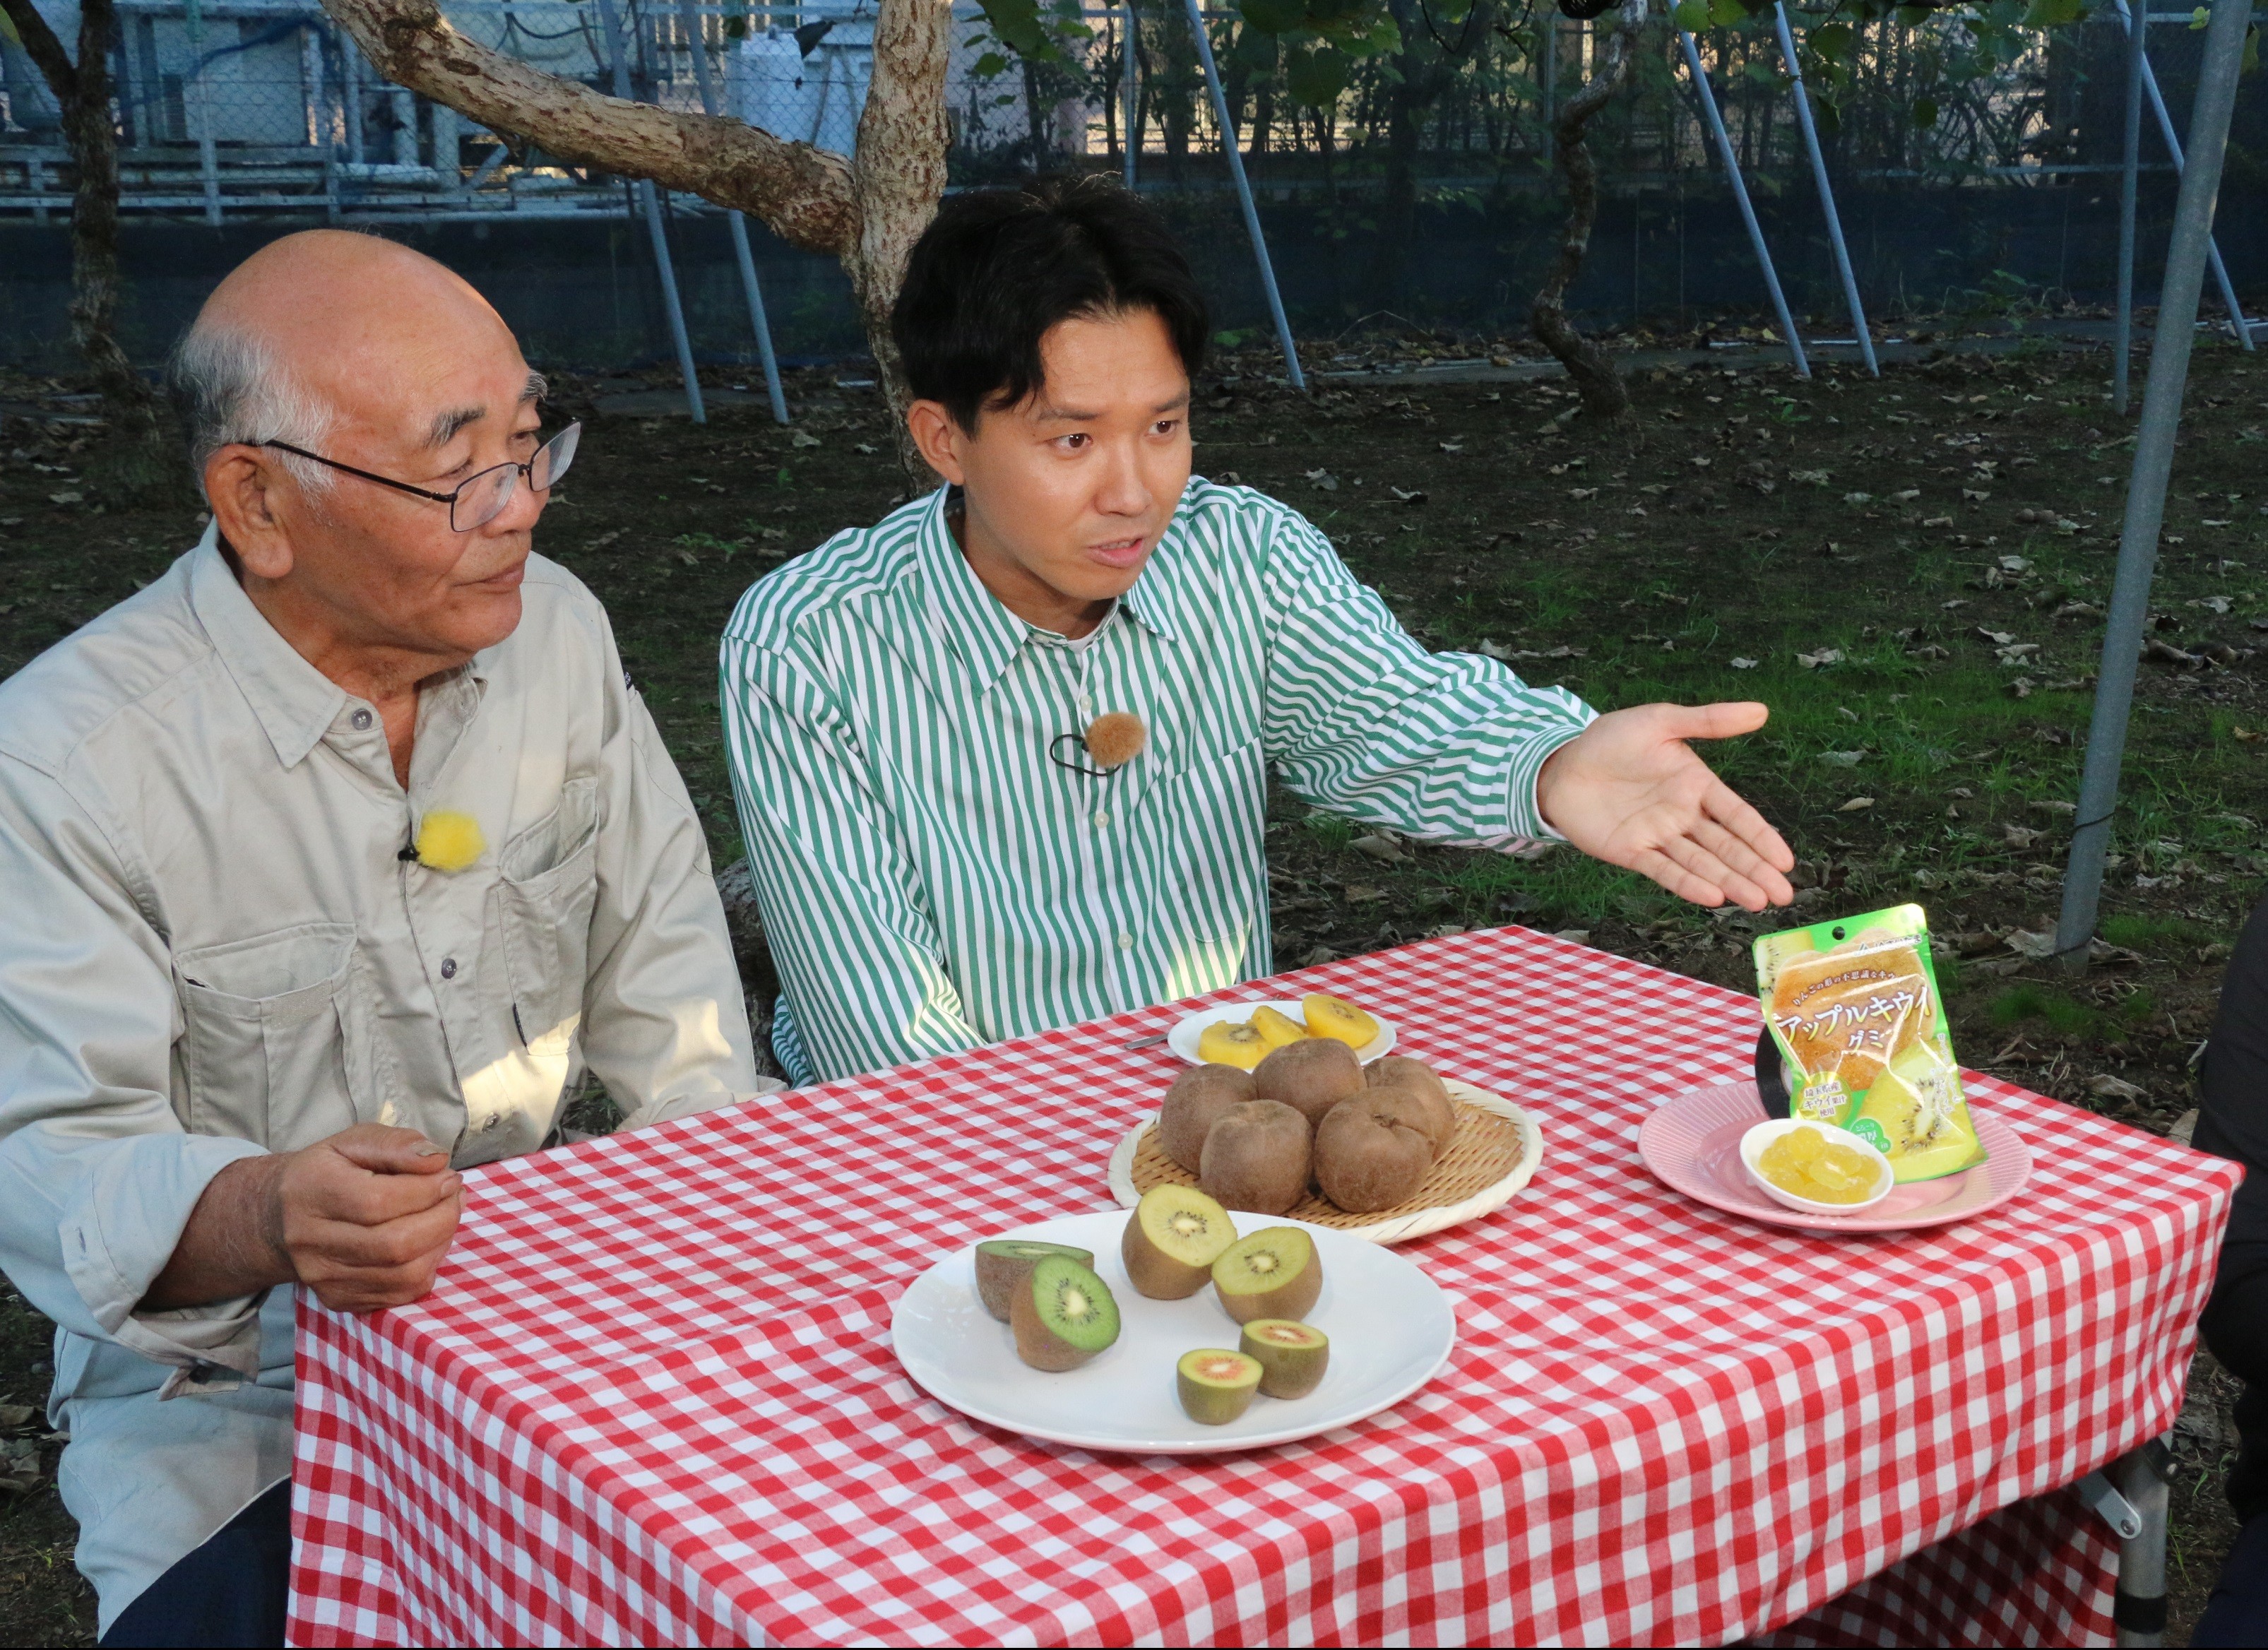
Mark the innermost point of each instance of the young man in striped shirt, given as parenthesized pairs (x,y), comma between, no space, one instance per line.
(941,859)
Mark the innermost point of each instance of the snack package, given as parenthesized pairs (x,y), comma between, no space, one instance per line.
(1853,1005)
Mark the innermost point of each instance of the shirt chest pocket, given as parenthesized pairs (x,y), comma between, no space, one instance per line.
(276,1036)
(539,917)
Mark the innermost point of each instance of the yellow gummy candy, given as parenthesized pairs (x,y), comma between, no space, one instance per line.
(1807,1163)
(448,841)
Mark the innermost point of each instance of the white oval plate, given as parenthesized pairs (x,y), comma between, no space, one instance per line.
(1183,1039)
(1401,1228)
(1391,1330)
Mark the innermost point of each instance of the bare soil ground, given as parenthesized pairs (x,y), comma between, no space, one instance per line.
(1912,573)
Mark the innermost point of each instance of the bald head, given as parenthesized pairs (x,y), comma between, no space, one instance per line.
(399,384)
(328,331)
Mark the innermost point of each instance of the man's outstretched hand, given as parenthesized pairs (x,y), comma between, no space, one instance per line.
(1629,791)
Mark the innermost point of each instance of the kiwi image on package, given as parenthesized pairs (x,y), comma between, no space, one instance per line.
(1852,1008)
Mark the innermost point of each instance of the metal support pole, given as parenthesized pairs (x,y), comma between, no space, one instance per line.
(738,226)
(199,96)
(2146,488)
(1132,123)
(2174,148)
(2137,1609)
(1244,195)
(1826,194)
(2122,346)
(652,206)
(1740,197)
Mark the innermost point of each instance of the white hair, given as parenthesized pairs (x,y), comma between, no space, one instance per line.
(230,387)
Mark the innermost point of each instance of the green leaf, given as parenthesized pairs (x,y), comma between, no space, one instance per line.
(1833,43)
(1274,17)
(1913,17)
(2054,14)
(1317,78)
(2199,18)
(989,65)
(1724,13)
(1924,113)
(2251,51)
(1827,113)
(1692,15)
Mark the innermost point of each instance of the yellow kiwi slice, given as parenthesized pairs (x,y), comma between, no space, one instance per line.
(1226,1043)
(1337,1018)
(1276,1030)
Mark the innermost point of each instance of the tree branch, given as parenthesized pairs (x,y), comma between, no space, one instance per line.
(43,48)
(804,195)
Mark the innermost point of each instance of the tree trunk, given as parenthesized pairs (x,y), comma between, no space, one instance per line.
(866,209)
(82,92)
(1413,90)
(1595,375)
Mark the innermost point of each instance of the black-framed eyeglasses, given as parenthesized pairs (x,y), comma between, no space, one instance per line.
(478,499)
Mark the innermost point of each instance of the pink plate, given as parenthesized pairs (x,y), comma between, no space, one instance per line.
(1692,1143)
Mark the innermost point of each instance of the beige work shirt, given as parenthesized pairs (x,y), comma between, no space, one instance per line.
(211,947)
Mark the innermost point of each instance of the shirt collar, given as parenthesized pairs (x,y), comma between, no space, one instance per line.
(296,703)
(979,625)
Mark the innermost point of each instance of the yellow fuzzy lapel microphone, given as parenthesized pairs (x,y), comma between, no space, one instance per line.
(448,841)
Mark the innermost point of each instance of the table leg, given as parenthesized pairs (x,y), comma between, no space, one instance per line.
(2139,1607)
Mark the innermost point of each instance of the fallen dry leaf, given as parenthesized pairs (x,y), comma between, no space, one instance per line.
(1824,656)
(1324,479)
(1857,804)
(2105,1086)
(1362,894)
(803,439)
(1744,664)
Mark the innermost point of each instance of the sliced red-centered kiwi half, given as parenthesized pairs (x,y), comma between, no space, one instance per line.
(1291,1356)
(1003,1264)
(1063,1316)
(1274,1273)
(1174,1236)
(1216,1385)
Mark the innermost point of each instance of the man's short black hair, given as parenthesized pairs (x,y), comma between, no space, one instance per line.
(999,268)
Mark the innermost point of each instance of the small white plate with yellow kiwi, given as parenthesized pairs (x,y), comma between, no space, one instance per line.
(1272,1025)
(1179,1362)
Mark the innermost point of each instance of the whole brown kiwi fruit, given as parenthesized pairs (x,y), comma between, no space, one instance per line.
(1365,1161)
(1199,1098)
(1256,1158)
(1434,1111)
(1412,1108)
(1310,1077)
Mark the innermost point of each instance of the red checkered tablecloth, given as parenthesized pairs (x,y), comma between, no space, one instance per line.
(652,1398)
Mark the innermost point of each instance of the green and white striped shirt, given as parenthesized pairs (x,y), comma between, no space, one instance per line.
(930,880)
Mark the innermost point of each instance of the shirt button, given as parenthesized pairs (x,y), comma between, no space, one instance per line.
(1101,817)
(1086,703)
(361,720)
(448,968)
(1126,942)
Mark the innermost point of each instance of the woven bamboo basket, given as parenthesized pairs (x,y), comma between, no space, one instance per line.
(1495,1153)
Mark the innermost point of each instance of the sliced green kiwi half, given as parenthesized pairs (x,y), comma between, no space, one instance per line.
(1216,1385)
(1274,1273)
(1291,1356)
(1174,1236)
(1063,1316)
(1003,1264)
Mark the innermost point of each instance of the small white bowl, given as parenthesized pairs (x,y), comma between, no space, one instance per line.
(1754,1142)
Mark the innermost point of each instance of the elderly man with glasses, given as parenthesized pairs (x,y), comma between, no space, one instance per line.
(331,859)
